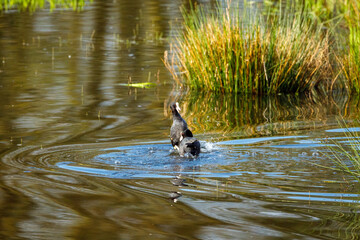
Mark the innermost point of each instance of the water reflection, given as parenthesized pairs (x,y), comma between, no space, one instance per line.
(263,115)
(31,6)
(83,154)
(61,73)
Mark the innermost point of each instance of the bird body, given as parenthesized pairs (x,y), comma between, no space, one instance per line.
(178,126)
(188,144)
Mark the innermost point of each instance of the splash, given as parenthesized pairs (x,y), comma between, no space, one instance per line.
(208,147)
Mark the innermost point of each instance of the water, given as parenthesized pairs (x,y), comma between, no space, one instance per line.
(84,156)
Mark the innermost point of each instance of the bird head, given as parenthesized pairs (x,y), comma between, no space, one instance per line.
(175,107)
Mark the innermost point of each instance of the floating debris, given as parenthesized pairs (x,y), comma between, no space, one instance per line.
(175,195)
(139,85)
(178,181)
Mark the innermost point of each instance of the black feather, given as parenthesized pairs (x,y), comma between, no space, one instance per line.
(189,144)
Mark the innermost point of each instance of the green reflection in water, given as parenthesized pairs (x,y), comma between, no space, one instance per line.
(32,5)
(248,115)
(346,223)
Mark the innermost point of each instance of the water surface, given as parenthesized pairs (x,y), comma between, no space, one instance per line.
(83,155)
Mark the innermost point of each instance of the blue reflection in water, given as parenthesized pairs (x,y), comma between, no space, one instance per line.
(257,140)
(222,159)
(261,164)
(339,130)
(150,161)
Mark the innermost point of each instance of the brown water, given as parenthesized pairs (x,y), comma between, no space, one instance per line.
(83,156)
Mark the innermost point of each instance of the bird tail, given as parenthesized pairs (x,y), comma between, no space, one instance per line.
(193,144)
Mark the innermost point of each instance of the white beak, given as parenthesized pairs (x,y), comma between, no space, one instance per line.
(177,107)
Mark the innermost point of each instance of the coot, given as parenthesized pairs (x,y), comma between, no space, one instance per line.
(178,126)
(188,144)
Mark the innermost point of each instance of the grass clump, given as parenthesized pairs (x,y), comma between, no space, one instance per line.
(342,18)
(224,51)
(324,11)
(351,59)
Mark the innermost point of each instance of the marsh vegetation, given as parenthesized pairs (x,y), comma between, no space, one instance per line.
(292,48)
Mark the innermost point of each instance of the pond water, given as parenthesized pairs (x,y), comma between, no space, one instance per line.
(85,156)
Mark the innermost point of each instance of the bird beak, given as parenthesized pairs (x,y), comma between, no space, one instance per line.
(177,107)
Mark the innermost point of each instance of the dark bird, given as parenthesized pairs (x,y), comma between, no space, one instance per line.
(178,126)
(188,144)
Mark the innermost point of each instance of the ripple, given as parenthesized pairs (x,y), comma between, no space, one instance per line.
(258,140)
(258,167)
(133,161)
(158,159)
(322,196)
(142,161)
(240,183)
(344,130)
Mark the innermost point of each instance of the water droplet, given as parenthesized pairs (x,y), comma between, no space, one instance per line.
(316,154)
(303,154)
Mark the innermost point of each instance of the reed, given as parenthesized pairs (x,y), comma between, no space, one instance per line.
(350,61)
(324,11)
(224,51)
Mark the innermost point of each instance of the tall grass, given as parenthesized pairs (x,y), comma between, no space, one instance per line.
(351,58)
(342,17)
(324,11)
(224,51)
